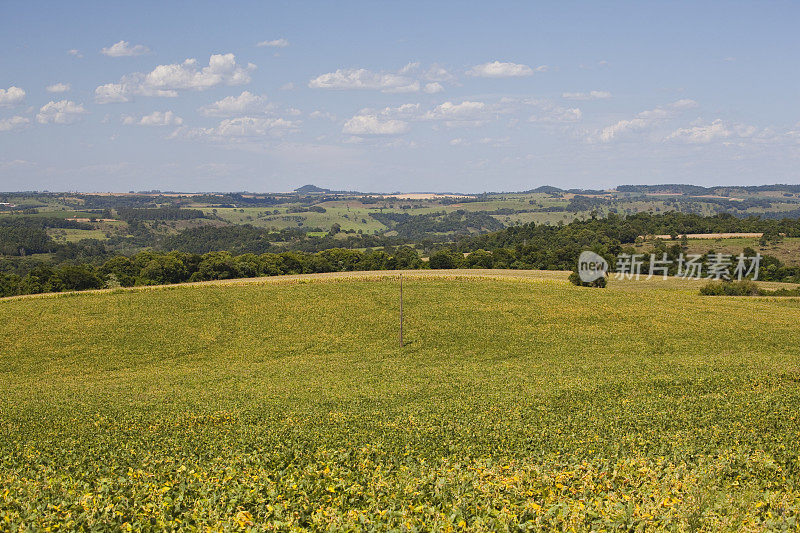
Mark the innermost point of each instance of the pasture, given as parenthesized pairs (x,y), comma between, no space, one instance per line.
(518,402)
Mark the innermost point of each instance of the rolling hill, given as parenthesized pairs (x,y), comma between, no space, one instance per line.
(518,401)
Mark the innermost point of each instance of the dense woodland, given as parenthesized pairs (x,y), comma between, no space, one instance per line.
(209,253)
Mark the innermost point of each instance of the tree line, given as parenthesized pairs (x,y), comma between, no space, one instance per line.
(155,268)
(529,246)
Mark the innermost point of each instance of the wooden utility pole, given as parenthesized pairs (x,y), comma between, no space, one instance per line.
(401,310)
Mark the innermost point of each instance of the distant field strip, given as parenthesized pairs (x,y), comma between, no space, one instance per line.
(531,275)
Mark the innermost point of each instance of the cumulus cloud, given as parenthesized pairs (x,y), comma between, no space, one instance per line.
(544,111)
(642,121)
(222,69)
(373,125)
(497,69)
(717,130)
(433,88)
(61,112)
(124,49)
(75,52)
(240,129)
(167,80)
(113,93)
(702,134)
(686,103)
(11,96)
(58,88)
(156,118)
(460,114)
(437,73)
(409,79)
(557,114)
(244,104)
(364,79)
(13,123)
(276,43)
(591,95)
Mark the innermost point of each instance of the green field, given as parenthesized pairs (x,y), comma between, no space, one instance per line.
(519,402)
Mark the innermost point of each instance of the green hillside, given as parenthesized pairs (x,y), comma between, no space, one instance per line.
(519,401)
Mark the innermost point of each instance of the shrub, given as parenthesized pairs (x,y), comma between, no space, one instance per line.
(575,279)
(744,287)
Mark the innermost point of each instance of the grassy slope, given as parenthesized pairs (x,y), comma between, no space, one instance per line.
(517,399)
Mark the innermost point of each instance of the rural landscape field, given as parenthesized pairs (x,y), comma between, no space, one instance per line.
(517,401)
(357,266)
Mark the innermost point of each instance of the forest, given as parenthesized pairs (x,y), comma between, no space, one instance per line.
(244,251)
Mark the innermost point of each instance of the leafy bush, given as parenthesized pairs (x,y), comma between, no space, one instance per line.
(575,279)
(731,288)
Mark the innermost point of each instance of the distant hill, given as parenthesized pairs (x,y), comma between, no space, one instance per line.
(312,189)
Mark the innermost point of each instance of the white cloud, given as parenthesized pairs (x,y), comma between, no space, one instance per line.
(112,93)
(17,163)
(240,129)
(247,126)
(325,115)
(167,80)
(558,114)
(591,95)
(466,110)
(58,88)
(495,141)
(364,79)
(245,103)
(409,79)
(644,120)
(156,118)
(287,86)
(124,49)
(75,53)
(11,96)
(409,68)
(277,43)
(222,69)
(373,125)
(613,131)
(433,88)
(497,69)
(686,103)
(438,73)
(61,112)
(700,133)
(13,123)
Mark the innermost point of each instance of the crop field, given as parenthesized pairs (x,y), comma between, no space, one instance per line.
(519,402)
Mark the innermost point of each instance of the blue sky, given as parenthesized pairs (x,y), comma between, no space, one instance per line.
(396,96)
